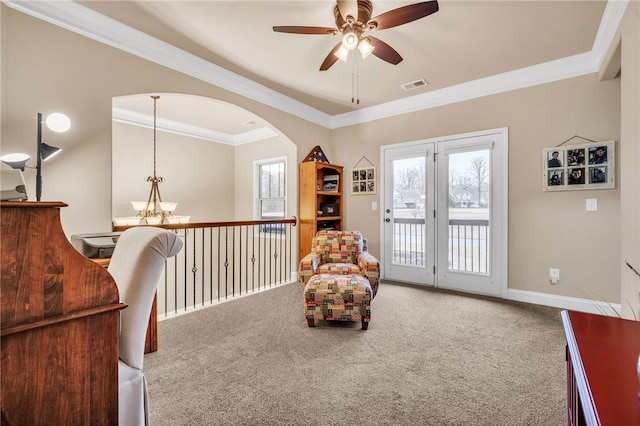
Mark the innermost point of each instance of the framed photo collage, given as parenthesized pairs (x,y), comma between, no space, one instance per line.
(363,181)
(586,166)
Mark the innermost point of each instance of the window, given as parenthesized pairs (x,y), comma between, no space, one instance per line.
(271,191)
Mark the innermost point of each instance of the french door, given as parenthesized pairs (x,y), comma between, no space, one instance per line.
(444,212)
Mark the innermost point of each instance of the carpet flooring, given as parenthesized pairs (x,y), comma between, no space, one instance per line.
(429,357)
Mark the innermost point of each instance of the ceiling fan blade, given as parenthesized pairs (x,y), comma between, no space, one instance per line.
(305,30)
(405,14)
(331,58)
(385,52)
(348,7)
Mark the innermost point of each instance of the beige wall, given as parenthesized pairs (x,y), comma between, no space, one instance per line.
(45,68)
(545,229)
(629,161)
(245,155)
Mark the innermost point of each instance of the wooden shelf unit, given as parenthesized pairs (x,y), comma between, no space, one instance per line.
(312,197)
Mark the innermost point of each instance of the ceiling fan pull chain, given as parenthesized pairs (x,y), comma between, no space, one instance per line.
(357,79)
(352,87)
(352,77)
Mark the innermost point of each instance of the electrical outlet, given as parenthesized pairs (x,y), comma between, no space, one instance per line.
(554,275)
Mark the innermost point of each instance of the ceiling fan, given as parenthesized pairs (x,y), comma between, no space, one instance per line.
(353,21)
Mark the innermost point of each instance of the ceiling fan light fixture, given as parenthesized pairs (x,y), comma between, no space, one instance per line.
(353,19)
(350,40)
(365,48)
(342,53)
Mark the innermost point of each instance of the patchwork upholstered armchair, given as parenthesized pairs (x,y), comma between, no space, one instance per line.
(339,253)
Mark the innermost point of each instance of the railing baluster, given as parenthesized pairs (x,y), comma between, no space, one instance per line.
(233,262)
(185,269)
(466,251)
(267,262)
(175,285)
(218,263)
(260,261)
(202,287)
(246,256)
(211,295)
(194,269)
(253,257)
(226,260)
(239,258)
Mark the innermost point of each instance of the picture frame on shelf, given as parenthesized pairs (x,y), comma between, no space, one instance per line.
(579,167)
(316,154)
(363,181)
(330,183)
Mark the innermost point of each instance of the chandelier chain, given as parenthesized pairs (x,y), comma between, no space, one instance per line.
(154,211)
(155,115)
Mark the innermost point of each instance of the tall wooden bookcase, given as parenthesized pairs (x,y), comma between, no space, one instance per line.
(319,189)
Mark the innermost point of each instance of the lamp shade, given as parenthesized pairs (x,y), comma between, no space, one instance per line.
(365,48)
(16,160)
(342,53)
(58,122)
(48,151)
(167,206)
(350,40)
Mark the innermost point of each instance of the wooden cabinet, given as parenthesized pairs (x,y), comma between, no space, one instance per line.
(321,201)
(59,321)
(602,377)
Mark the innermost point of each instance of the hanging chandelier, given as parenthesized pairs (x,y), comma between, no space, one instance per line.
(154,211)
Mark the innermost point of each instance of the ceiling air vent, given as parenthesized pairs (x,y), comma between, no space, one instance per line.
(414,84)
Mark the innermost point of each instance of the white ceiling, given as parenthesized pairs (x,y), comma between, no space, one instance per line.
(463,43)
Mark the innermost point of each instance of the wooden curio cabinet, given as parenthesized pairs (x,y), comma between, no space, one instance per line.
(321,201)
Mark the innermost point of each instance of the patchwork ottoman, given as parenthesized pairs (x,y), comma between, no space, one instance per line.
(339,298)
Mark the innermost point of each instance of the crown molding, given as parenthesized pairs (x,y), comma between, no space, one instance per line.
(125,116)
(608,28)
(80,19)
(573,66)
(89,23)
(560,69)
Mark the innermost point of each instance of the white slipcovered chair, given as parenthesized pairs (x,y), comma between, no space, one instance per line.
(136,265)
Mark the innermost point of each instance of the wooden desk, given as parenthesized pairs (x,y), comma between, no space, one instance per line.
(602,381)
(151,342)
(59,324)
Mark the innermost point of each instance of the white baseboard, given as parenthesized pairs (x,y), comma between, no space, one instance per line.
(564,302)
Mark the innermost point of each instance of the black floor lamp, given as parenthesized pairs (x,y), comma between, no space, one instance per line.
(59,123)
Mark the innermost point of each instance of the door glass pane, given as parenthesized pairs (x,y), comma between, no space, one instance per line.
(469,206)
(409,231)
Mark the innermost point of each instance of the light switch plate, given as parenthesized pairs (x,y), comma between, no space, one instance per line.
(592,204)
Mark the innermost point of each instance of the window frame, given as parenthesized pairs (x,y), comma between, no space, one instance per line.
(257,191)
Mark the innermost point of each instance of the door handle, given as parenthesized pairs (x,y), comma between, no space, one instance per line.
(387,220)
